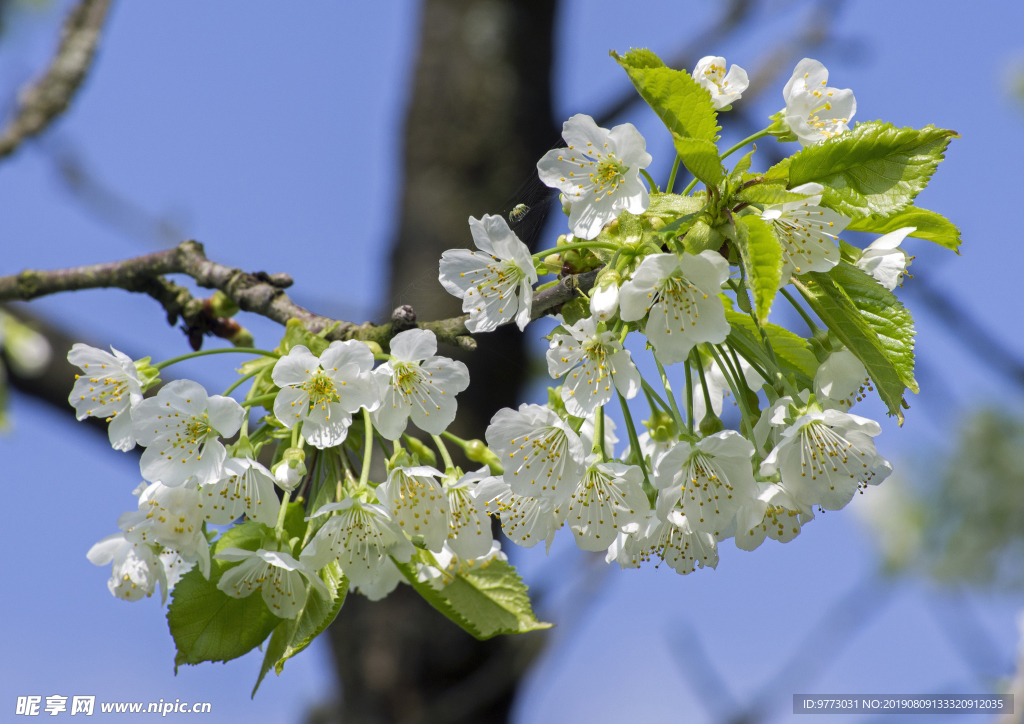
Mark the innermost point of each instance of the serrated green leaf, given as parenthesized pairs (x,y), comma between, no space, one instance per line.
(742,166)
(293,635)
(835,307)
(931,226)
(701,159)
(761,255)
(873,169)
(209,625)
(885,314)
(486,599)
(295,334)
(780,170)
(680,102)
(790,349)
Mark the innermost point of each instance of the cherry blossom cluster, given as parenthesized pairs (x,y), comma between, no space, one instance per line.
(670,495)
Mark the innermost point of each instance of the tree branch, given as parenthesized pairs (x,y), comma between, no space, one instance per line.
(258,293)
(50,96)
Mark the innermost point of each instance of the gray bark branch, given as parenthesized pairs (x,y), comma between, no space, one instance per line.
(258,293)
(52,93)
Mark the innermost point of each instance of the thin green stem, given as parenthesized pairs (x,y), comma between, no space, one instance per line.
(672,176)
(219,350)
(295,435)
(739,390)
(745,141)
(577,245)
(279,528)
(703,384)
(449,465)
(259,400)
(689,397)
(654,396)
(364,473)
(654,186)
(634,441)
(260,433)
(689,186)
(598,446)
(239,381)
(797,306)
(668,393)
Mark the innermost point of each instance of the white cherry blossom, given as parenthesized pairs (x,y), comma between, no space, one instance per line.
(609,496)
(780,519)
(135,570)
(807,232)
(598,174)
(815,111)
(171,517)
(450,564)
(526,520)
(110,389)
(244,487)
(275,573)
(323,393)
(824,457)
(181,429)
(360,538)
(674,542)
(885,260)
(487,281)
(592,362)
(416,383)
(650,448)
(841,380)
(540,453)
(725,88)
(27,351)
(681,295)
(469,526)
(416,500)
(388,578)
(707,480)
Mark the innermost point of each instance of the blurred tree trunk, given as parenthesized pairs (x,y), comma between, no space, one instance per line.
(479,118)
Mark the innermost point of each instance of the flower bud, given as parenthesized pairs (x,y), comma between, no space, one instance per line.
(28,352)
(374,347)
(221,305)
(292,468)
(242,338)
(478,452)
(604,300)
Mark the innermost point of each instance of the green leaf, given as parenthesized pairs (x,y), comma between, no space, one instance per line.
(295,520)
(874,169)
(875,327)
(293,635)
(885,314)
(930,226)
(742,166)
(701,159)
(761,254)
(574,310)
(295,334)
(767,192)
(673,205)
(486,599)
(790,349)
(680,102)
(209,625)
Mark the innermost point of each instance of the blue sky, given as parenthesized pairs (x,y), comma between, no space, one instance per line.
(274,138)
